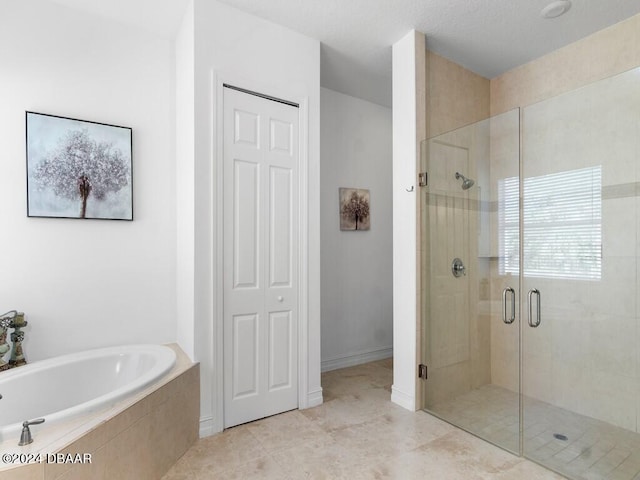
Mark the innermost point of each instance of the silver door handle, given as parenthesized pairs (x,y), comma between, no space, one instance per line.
(512,318)
(536,292)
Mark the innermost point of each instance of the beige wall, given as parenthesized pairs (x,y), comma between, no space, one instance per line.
(574,115)
(456,96)
(605,53)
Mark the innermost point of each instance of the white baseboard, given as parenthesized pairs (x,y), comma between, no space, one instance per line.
(403,399)
(357,358)
(208,427)
(314,398)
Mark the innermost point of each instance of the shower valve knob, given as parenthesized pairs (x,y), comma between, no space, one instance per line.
(457,268)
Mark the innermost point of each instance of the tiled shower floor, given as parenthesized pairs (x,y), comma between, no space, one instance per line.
(593,449)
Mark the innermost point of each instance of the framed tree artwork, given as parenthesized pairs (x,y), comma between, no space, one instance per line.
(354,209)
(78,169)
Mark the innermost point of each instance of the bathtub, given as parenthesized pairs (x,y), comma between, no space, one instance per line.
(68,386)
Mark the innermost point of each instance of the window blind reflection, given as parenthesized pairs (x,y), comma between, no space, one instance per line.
(562,220)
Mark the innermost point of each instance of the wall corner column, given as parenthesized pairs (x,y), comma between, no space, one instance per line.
(409,129)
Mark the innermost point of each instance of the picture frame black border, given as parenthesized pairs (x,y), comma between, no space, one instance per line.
(26,129)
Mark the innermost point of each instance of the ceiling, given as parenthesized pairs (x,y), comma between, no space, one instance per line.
(488,37)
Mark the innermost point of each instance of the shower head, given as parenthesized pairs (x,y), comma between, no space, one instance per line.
(467,183)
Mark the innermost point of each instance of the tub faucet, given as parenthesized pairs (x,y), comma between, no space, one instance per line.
(25,437)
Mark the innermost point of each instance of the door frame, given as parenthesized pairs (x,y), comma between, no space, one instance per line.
(217,81)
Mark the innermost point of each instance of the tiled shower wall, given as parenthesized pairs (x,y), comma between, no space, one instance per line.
(605,53)
(585,359)
(455,97)
(584,356)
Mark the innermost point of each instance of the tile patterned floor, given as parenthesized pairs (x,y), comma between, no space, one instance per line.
(594,450)
(356,434)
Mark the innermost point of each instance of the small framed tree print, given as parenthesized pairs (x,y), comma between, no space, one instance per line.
(354,209)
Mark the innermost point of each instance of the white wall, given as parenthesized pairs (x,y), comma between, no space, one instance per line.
(357,300)
(185,178)
(87,283)
(91,283)
(252,53)
(408,85)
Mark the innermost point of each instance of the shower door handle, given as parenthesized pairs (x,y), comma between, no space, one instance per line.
(512,318)
(532,292)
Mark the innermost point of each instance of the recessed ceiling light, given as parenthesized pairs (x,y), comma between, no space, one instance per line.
(555,9)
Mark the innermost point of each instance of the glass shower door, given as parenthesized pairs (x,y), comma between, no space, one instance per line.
(470,303)
(580,280)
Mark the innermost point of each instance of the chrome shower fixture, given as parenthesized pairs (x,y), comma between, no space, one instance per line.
(467,183)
